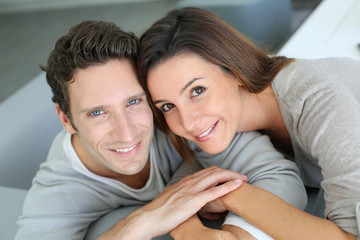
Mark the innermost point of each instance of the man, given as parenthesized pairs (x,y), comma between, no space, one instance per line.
(110,156)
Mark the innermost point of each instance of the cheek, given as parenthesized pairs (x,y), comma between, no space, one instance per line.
(94,130)
(174,123)
(143,117)
(97,133)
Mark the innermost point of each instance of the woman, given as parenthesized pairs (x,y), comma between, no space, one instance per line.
(208,82)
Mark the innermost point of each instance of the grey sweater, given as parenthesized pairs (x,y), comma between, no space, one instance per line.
(65,198)
(319,100)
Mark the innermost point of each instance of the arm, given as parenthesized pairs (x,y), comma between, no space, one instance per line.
(331,117)
(50,212)
(194,229)
(278,218)
(175,204)
(320,104)
(252,154)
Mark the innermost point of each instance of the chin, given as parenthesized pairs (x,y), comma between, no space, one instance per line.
(210,149)
(135,168)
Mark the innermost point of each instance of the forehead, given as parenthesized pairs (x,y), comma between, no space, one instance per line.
(114,80)
(179,69)
(182,64)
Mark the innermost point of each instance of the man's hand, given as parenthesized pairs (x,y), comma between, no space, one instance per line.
(176,204)
(215,209)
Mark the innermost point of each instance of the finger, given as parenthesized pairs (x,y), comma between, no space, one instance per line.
(213,177)
(202,180)
(210,170)
(215,192)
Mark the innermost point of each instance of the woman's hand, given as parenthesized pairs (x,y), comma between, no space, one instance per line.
(213,210)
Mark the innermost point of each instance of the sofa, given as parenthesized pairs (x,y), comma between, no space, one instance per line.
(29,124)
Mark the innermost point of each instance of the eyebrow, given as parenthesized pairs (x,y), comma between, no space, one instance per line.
(182,90)
(189,84)
(92,109)
(139,95)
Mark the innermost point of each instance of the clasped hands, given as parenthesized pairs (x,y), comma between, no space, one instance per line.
(174,210)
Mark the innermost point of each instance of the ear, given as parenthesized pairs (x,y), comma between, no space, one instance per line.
(64,120)
(238,81)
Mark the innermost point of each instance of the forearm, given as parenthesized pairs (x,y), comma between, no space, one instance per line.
(278,218)
(128,228)
(194,229)
(188,226)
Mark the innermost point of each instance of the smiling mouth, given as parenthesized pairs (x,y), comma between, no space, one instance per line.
(125,150)
(207,131)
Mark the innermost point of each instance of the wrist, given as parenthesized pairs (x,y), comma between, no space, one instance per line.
(186,227)
(236,200)
(129,226)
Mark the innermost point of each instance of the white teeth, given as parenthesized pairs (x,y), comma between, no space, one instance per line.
(125,150)
(207,132)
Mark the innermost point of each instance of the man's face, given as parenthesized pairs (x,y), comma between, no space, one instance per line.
(113,120)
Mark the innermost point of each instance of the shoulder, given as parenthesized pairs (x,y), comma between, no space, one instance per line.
(164,152)
(303,72)
(305,78)
(57,183)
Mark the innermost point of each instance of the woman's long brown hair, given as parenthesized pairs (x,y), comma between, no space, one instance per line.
(198,31)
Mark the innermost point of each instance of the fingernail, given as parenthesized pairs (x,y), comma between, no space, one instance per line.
(238,180)
(244,178)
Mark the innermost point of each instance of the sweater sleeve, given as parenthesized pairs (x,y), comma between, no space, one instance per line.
(58,212)
(329,131)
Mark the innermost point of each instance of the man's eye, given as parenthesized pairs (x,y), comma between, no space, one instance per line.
(167,107)
(134,101)
(197,91)
(96,113)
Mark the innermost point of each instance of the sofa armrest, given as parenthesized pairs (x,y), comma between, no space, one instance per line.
(12,200)
(29,124)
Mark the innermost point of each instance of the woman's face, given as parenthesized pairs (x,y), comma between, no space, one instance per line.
(200,101)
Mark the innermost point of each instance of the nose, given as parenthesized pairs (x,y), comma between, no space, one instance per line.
(123,130)
(190,119)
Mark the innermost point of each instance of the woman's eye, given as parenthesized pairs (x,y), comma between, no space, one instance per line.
(134,101)
(167,107)
(197,91)
(96,113)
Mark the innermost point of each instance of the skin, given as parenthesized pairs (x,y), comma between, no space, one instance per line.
(190,104)
(187,89)
(113,120)
(204,104)
(112,129)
